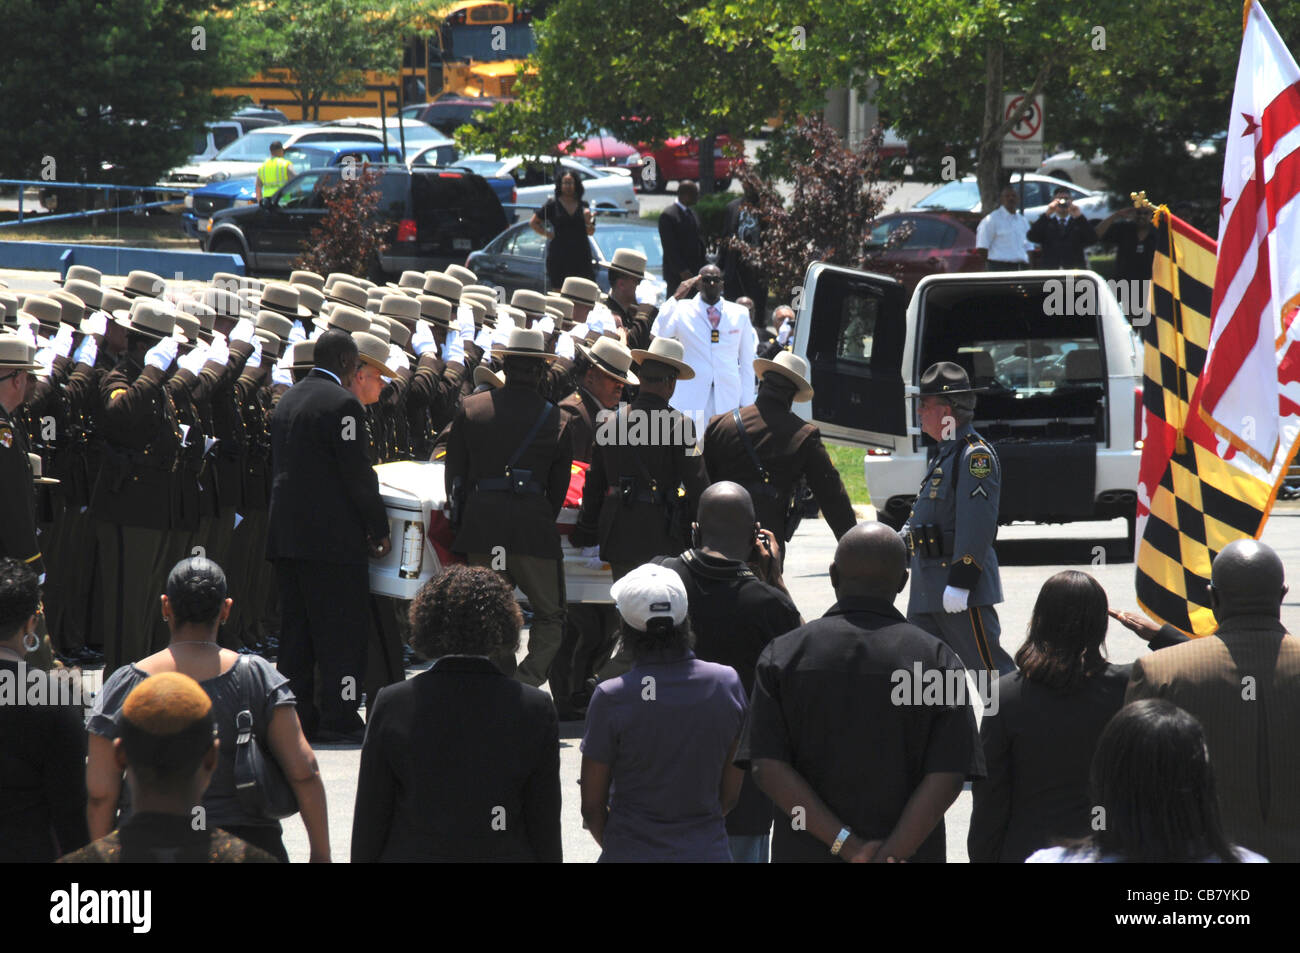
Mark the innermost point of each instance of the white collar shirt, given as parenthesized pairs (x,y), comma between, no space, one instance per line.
(1002,234)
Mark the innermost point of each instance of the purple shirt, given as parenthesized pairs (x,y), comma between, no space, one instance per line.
(666,742)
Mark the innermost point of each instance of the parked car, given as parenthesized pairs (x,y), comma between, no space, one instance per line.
(964,195)
(207,200)
(679,159)
(245,154)
(535,181)
(416,134)
(1069,166)
(517,257)
(937,243)
(435,217)
(449,114)
(261,112)
(220,134)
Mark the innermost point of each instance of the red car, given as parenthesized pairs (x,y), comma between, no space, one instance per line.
(652,170)
(939,243)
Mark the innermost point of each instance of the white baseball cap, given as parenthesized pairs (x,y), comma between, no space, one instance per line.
(650,592)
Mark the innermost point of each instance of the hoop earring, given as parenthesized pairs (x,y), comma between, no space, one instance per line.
(31,642)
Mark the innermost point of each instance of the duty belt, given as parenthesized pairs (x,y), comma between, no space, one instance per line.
(510,485)
(929,540)
(653,497)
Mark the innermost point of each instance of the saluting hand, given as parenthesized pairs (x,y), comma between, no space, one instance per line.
(1140,624)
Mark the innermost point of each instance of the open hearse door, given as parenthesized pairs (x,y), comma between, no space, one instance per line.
(852,328)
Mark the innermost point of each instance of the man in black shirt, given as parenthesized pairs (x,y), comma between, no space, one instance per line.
(734,616)
(859,727)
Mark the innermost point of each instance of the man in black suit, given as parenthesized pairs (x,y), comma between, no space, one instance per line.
(679,232)
(1063,233)
(326,520)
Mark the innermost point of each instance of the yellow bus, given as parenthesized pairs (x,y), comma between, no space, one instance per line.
(472,50)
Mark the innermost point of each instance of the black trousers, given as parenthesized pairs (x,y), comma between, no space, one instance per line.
(259,835)
(324,624)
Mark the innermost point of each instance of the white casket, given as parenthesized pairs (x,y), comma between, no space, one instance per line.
(412,493)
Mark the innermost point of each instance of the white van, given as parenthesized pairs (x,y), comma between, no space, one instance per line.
(1061,363)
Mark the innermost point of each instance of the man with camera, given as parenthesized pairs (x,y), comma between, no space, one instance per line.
(1063,233)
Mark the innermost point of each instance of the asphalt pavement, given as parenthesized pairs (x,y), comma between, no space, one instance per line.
(1028,555)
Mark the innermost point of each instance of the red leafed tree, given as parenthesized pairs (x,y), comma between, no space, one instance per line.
(834,201)
(350,237)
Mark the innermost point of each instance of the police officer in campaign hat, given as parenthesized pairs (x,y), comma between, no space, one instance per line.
(953,524)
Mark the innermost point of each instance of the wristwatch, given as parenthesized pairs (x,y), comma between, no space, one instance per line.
(839,841)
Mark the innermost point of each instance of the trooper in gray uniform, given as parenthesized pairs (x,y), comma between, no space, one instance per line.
(953,524)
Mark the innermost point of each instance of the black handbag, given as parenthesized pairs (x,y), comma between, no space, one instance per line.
(260,784)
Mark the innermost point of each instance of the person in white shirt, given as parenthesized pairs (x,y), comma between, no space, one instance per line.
(1001,235)
(720,344)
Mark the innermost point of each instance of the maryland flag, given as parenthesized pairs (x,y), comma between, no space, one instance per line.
(1191,501)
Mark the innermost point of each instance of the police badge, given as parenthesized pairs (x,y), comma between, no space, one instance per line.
(980,465)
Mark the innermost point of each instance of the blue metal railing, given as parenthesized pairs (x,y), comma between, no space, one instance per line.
(104,187)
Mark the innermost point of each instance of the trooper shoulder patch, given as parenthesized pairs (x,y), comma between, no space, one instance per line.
(980,464)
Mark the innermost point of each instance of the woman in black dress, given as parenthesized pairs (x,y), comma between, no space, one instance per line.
(567,221)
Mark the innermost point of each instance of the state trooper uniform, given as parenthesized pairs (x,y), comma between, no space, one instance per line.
(950,535)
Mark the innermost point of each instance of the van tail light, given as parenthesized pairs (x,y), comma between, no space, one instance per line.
(406,230)
(514,196)
(1137,418)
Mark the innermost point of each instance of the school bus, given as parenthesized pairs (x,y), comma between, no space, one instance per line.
(470,49)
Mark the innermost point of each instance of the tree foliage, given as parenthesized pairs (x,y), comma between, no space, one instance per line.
(643,71)
(350,236)
(322,49)
(112,92)
(834,202)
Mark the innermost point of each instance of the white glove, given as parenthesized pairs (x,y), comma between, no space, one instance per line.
(546,325)
(45,358)
(219,351)
(484,339)
(28,333)
(194,361)
(97,323)
(88,351)
(453,349)
(596,321)
(464,320)
(162,354)
(422,340)
(783,336)
(255,359)
(564,346)
(505,320)
(589,551)
(316,332)
(501,335)
(297,333)
(645,293)
(954,599)
(579,331)
(397,358)
(243,331)
(280,374)
(62,340)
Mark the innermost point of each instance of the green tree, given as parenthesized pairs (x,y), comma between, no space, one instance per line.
(98,92)
(643,71)
(322,49)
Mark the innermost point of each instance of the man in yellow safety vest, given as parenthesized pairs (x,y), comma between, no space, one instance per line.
(273,173)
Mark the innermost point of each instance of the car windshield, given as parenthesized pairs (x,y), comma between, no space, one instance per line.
(639,238)
(253,147)
(957,195)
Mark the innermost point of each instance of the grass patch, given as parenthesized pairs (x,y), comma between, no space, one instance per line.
(150,232)
(848,460)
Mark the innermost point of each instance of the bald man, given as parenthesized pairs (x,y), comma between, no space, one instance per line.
(879,759)
(1243,684)
(734,615)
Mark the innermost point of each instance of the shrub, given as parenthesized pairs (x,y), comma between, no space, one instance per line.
(350,237)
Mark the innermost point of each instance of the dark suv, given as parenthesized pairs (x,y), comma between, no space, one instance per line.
(436,217)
